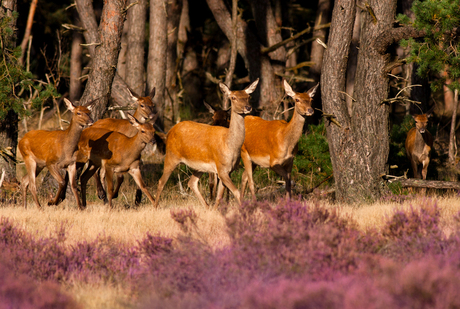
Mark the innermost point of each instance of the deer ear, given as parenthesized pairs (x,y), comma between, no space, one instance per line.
(312,91)
(250,89)
(288,89)
(209,107)
(69,105)
(133,97)
(152,93)
(132,120)
(224,88)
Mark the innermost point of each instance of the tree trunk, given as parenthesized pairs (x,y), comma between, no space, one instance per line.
(249,48)
(452,139)
(317,51)
(135,74)
(359,149)
(174,9)
(76,54)
(9,125)
(158,44)
(105,57)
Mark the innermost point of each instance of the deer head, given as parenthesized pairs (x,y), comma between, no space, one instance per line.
(302,100)
(81,114)
(240,98)
(145,106)
(146,130)
(219,117)
(421,122)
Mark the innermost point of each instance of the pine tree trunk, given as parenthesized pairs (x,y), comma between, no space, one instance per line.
(359,149)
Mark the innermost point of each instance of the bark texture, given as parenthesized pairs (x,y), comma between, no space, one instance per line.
(105,57)
(158,44)
(359,149)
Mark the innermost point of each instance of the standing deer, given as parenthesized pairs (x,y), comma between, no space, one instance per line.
(209,149)
(418,146)
(219,118)
(115,153)
(145,112)
(273,144)
(55,150)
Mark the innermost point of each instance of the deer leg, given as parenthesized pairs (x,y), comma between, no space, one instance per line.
(193,184)
(72,172)
(286,176)
(136,174)
(87,174)
(138,196)
(109,182)
(56,173)
(120,179)
(169,166)
(32,171)
(211,182)
(247,174)
(226,180)
(100,188)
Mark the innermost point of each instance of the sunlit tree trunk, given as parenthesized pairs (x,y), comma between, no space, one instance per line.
(76,54)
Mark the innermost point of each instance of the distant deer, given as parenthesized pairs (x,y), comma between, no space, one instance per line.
(145,112)
(219,118)
(56,150)
(209,149)
(419,143)
(114,153)
(273,144)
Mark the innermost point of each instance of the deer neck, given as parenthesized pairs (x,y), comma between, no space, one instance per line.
(72,136)
(138,116)
(419,143)
(135,145)
(294,130)
(235,137)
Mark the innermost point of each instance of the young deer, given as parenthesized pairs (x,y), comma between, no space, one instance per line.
(418,146)
(145,112)
(220,118)
(209,149)
(55,150)
(114,153)
(273,144)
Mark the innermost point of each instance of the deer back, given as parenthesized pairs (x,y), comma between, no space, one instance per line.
(98,144)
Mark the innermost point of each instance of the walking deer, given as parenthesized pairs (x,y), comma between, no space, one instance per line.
(145,112)
(114,153)
(418,146)
(219,118)
(273,144)
(209,149)
(56,150)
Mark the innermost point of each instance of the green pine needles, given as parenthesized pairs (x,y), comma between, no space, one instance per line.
(438,51)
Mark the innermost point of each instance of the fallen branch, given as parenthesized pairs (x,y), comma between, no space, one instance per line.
(430,184)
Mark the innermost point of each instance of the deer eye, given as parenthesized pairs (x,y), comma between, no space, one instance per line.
(297,100)
(233,98)
(142,105)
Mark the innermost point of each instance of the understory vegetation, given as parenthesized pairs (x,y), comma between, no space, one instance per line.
(287,254)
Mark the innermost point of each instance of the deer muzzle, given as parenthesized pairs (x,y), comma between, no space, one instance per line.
(247,109)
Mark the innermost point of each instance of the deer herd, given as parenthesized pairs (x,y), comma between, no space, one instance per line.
(112,147)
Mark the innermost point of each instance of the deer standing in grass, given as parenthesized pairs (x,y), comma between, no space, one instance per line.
(219,118)
(209,149)
(56,150)
(145,112)
(273,144)
(419,143)
(115,153)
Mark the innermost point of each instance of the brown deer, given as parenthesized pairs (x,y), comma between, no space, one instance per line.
(273,144)
(219,118)
(418,146)
(209,149)
(55,150)
(114,153)
(145,112)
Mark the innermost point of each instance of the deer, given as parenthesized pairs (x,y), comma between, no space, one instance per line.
(209,149)
(419,143)
(145,112)
(220,118)
(115,153)
(55,150)
(274,143)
